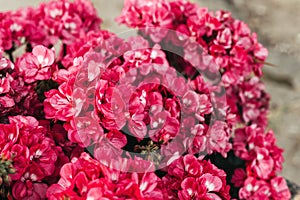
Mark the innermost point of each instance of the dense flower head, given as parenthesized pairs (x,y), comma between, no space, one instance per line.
(83,44)
(87,178)
(76,18)
(34,156)
(192,178)
(275,189)
(249,102)
(16,96)
(264,160)
(260,150)
(37,29)
(142,93)
(228,40)
(48,23)
(12,29)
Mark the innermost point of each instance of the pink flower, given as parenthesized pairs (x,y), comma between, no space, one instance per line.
(136,13)
(137,126)
(203,23)
(5,38)
(30,132)
(117,138)
(199,140)
(249,101)
(210,139)
(21,158)
(111,106)
(279,188)
(83,131)
(275,188)
(44,156)
(224,38)
(29,185)
(6,102)
(218,138)
(263,164)
(58,103)
(164,127)
(255,189)
(147,187)
(8,133)
(34,156)
(88,15)
(36,65)
(75,19)
(190,102)
(44,56)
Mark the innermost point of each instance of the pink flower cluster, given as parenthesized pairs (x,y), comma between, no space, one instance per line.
(229,42)
(234,48)
(239,58)
(86,178)
(249,102)
(45,25)
(59,102)
(16,96)
(39,29)
(85,114)
(263,162)
(187,178)
(35,156)
(274,188)
(192,178)
(142,89)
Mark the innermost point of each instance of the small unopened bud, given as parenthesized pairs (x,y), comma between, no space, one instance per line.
(7,179)
(3,171)
(11,170)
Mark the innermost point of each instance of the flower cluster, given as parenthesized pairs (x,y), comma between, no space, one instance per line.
(230,42)
(18,97)
(249,102)
(85,114)
(275,188)
(187,178)
(239,58)
(50,22)
(86,178)
(59,102)
(39,30)
(144,90)
(192,178)
(35,147)
(33,154)
(263,161)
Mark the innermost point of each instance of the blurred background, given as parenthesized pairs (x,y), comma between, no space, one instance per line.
(277,23)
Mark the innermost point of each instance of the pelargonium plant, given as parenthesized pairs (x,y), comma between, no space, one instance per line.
(176,110)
